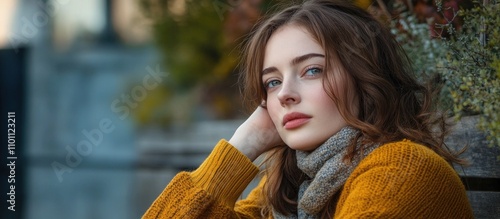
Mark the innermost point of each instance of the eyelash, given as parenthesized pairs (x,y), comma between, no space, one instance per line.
(313,68)
(267,83)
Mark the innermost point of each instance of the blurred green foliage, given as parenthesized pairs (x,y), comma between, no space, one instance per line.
(192,38)
(426,53)
(422,50)
(189,35)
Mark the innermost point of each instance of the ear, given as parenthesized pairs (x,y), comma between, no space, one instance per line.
(263,104)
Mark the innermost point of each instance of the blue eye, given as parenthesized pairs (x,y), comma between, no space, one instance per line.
(272,83)
(313,71)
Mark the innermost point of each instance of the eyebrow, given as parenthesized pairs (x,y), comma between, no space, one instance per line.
(295,61)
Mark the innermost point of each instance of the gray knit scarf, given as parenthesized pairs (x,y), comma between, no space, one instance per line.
(327,172)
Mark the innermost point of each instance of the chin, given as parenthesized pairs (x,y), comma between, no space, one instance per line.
(305,141)
(303,145)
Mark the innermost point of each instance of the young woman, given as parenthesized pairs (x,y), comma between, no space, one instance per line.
(348,131)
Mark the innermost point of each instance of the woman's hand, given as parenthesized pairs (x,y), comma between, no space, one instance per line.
(256,135)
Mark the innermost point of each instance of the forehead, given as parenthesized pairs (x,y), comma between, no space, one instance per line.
(289,42)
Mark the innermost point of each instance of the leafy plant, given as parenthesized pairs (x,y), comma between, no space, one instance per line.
(471,66)
(465,57)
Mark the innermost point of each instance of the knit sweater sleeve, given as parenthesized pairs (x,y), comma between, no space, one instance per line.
(403,180)
(211,190)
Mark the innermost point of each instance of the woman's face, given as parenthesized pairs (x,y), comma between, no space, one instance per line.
(303,113)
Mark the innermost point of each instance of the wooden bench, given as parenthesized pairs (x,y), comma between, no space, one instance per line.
(481,177)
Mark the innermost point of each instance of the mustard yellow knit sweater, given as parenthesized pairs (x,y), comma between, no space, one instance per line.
(397,180)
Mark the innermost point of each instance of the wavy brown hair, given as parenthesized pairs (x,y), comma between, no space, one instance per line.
(388,105)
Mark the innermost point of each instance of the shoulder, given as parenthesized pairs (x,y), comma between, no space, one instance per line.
(404,177)
(405,154)
(408,160)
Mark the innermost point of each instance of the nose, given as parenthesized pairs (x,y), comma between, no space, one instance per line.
(288,93)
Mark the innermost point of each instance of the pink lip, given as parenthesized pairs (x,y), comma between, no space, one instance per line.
(295,120)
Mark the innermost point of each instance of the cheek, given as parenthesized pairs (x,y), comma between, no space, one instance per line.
(326,105)
(273,108)
(321,97)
